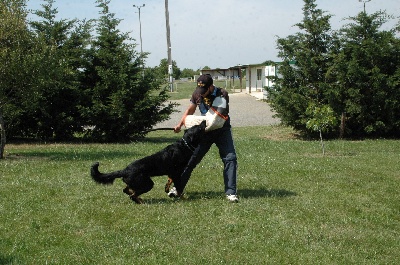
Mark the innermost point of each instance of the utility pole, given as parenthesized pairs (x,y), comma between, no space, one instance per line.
(140,33)
(364,1)
(170,70)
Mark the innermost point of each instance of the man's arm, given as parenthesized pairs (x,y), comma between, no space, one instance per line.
(189,111)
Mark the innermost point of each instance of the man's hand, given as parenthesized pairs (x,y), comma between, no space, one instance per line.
(177,128)
(189,111)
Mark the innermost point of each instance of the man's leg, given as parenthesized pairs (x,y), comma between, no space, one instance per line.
(227,153)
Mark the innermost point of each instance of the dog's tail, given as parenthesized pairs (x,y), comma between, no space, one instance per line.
(104,178)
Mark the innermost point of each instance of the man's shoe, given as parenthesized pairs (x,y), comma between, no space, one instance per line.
(232,198)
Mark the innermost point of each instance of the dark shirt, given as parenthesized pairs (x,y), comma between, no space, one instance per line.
(206,103)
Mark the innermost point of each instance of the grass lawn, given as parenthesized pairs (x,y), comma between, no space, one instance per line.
(296,205)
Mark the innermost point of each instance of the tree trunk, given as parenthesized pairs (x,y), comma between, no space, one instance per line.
(2,136)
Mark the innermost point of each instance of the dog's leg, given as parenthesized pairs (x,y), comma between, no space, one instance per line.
(128,191)
(136,199)
(132,195)
(178,186)
(168,185)
(173,192)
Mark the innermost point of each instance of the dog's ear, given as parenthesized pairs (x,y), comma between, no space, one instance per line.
(203,124)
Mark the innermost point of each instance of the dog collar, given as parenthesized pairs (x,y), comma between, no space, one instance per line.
(191,148)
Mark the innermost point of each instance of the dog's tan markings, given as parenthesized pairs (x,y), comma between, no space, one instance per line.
(168,185)
(132,195)
(128,191)
(136,199)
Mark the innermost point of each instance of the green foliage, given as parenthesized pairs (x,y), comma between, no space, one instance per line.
(162,69)
(20,62)
(322,118)
(55,113)
(365,77)
(58,79)
(186,72)
(354,71)
(40,84)
(14,41)
(305,82)
(120,100)
(295,205)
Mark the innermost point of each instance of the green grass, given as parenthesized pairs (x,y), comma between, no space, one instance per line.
(297,206)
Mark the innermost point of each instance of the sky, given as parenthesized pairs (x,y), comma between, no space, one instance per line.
(215,33)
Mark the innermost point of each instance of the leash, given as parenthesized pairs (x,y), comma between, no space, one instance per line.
(159,129)
(190,147)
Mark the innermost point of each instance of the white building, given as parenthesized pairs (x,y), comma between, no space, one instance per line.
(233,75)
(259,76)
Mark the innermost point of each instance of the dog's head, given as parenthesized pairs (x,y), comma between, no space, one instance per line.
(194,134)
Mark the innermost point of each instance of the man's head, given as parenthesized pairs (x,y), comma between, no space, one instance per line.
(203,83)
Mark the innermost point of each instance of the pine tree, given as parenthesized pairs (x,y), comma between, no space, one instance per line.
(306,58)
(54,113)
(18,63)
(365,77)
(121,101)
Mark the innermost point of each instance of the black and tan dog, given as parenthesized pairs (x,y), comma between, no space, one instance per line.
(170,161)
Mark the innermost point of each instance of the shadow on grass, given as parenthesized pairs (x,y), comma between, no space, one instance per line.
(246,193)
(243,193)
(67,153)
(271,193)
(71,156)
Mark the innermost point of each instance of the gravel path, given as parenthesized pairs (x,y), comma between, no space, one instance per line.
(245,110)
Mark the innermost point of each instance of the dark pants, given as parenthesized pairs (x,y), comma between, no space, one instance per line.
(222,138)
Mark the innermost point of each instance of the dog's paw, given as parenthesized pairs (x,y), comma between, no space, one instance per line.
(140,201)
(173,193)
(137,200)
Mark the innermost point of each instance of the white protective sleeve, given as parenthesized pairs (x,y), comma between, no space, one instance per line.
(212,118)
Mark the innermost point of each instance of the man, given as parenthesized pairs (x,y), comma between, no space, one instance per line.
(203,97)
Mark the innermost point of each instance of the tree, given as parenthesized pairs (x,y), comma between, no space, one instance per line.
(120,102)
(18,65)
(322,119)
(365,77)
(186,72)
(304,83)
(354,71)
(163,69)
(55,114)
